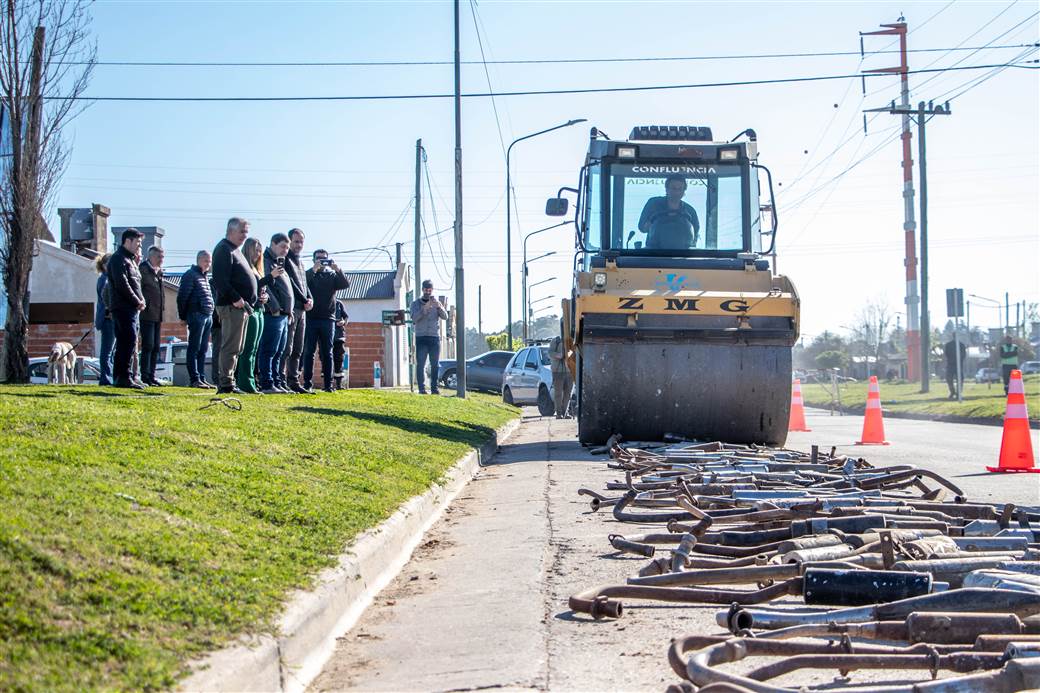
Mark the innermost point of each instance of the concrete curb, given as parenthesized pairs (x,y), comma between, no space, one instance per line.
(312,620)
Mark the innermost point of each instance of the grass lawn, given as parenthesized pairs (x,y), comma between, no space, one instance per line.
(982,401)
(137,532)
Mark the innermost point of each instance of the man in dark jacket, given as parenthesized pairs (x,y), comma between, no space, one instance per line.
(195,307)
(302,303)
(323,280)
(278,314)
(236,292)
(124,276)
(152,315)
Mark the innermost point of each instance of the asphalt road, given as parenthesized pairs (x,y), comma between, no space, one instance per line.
(960,452)
(483,602)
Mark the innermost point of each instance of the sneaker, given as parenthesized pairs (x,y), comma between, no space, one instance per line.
(129,384)
(283,390)
(270,391)
(295,387)
(435,392)
(198,384)
(422,392)
(153,383)
(327,389)
(140,383)
(229,391)
(208,385)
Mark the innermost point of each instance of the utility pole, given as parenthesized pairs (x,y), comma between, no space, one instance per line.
(922,113)
(913,331)
(480,309)
(418,214)
(1007,310)
(416,290)
(460,294)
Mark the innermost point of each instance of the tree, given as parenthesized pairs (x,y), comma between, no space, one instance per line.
(500,341)
(832,359)
(46,62)
(870,330)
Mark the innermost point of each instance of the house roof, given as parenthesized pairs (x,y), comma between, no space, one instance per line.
(368,285)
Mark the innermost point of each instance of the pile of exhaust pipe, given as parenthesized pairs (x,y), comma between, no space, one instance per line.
(900,570)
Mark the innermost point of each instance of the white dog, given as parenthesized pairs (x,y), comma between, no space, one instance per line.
(61,364)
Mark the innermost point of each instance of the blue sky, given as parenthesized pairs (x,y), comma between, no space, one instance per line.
(343,171)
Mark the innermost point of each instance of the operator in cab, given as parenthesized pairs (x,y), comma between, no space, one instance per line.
(668,222)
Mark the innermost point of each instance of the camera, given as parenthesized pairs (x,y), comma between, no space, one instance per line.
(325,262)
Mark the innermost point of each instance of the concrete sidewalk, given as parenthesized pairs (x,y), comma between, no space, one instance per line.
(483,602)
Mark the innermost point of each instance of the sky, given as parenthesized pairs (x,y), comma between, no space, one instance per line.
(343,171)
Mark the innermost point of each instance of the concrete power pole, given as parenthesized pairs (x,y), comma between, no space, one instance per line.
(416,291)
(460,293)
(913,332)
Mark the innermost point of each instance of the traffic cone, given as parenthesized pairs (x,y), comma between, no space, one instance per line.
(1016,447)
(873,427)
(797,422)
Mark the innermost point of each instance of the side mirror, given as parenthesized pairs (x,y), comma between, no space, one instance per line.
(557,206)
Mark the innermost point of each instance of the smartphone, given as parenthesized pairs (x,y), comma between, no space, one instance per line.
(279,261)
(325,263)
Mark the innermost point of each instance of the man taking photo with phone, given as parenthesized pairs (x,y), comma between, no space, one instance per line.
(427,312)
(324,279)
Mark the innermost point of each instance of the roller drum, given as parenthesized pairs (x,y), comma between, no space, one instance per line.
(740,393)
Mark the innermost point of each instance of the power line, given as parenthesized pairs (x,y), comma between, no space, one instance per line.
(487,74)
(518,61)
(528,92)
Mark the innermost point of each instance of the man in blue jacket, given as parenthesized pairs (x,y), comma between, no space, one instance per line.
(195,307)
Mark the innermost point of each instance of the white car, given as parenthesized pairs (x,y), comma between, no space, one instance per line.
(528,380)
(90,367)
(1030,367)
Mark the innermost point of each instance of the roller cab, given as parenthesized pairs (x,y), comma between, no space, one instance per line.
(677,321)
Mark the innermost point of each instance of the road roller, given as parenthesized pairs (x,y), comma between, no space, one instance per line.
(677,322)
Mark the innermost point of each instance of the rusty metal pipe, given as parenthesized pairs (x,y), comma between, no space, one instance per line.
(968,600)
(625,546)
(598,602)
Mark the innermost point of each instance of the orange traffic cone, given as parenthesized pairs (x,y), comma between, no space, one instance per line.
(797,422)
(873,427)
(1016,447)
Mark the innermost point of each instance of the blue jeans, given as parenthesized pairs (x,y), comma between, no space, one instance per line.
(126,323)
(272,346)
(107,332)
(318,336)
(427,348)
(199,327)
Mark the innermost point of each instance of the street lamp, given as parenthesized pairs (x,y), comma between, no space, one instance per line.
(530,303)
(509,215)
(523,277)
(1000,322)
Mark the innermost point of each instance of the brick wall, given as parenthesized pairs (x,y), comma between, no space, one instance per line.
(43,337)
(365,341)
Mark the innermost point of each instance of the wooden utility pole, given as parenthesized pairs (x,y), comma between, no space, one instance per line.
(460,286)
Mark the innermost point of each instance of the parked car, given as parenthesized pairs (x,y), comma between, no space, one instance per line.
(90,368)
(1030,367)
(987,375)
(483,372)
(528,380)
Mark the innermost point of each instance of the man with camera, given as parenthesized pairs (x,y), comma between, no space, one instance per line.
(427,312)
(324,279)
(278,316)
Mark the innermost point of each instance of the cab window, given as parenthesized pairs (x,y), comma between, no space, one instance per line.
(532,360)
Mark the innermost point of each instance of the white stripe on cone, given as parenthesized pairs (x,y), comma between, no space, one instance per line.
(1016,411)
(1015,387)
(873,404)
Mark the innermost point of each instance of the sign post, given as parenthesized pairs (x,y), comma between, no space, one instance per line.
(955,310)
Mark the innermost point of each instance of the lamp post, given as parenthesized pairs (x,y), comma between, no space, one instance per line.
(509,218)
(523,277)
(1000,323)
(527,307)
